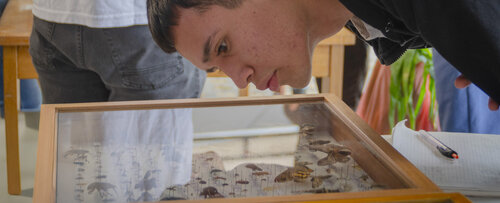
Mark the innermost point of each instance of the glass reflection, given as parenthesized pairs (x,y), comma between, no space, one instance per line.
(238,151)
(122,156)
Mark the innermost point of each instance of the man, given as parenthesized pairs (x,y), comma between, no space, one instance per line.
(270,43)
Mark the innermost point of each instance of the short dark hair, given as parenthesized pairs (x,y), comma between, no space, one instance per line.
(163,14)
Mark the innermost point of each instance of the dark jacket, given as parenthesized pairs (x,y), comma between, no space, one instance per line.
(465,32)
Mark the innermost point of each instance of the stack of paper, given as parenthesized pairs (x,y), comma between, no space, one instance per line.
(476,172)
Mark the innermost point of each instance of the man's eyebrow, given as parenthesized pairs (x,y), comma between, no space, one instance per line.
(206,48)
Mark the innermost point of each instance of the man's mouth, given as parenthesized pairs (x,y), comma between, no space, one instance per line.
(273,83)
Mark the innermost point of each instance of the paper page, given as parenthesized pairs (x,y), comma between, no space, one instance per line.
(477,171)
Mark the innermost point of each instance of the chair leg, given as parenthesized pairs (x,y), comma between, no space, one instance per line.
(243,92)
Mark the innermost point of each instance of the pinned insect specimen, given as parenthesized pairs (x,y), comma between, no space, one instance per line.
(299,173)
(329,170)
(284,176)
(78,163)
(260,173)
(147,183)
(268,189)
(77,154)
(210,192)
(364,177)
(219,178)
(172,198)
(215,171)
(378,186)
(324,148)
(333,157)
(103,189)
(319,142)
(328,160)
(322,190)
(242,182)
(303,163)
(101,177)
(306,129)
(253,167)
(318,180)
(334,153)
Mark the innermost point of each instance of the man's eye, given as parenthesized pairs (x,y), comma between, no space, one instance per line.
(222,48)
(213,69)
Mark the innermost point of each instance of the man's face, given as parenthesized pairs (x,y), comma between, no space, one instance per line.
(257,42)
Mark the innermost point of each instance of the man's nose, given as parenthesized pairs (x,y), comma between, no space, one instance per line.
(240,76)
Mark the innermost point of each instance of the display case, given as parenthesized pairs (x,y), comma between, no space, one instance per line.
(280,148)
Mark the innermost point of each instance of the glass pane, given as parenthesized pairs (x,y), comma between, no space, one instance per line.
(216,152)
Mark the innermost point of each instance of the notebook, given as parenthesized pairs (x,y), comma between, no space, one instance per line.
(475,173)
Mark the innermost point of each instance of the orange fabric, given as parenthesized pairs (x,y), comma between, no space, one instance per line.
(374,104)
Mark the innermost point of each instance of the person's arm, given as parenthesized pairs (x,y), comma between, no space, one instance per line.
(463,82)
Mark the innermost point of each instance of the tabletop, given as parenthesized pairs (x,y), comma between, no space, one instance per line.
(16,23)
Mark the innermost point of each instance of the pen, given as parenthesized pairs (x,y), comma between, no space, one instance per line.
(442,148)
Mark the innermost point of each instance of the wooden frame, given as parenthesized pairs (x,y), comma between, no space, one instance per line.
(381,156)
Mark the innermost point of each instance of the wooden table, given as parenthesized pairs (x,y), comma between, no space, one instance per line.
(15,29)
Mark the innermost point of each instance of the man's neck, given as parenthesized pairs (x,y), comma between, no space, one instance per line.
(325,18)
